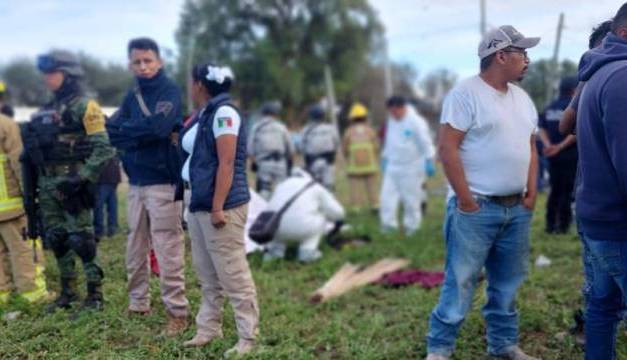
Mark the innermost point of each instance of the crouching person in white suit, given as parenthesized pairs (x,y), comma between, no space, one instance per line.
(306,220)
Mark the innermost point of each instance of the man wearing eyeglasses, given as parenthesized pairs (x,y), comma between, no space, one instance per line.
(487,147)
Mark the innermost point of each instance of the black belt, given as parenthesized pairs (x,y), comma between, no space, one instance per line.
(504,200)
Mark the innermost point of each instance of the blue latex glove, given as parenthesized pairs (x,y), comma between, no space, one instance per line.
(384,162)
(430,167)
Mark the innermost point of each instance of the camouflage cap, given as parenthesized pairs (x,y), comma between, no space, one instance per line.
(60,60)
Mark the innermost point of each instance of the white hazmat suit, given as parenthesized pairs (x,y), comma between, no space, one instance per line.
(305,221)
(407,147)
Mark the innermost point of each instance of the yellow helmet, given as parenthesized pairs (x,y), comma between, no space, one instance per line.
(357,111)
(3,87)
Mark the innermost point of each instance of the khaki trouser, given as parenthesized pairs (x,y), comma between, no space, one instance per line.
(18,270)
(154,219)
(220,260)
(364,191)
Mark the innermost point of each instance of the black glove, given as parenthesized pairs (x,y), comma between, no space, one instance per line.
(71,186)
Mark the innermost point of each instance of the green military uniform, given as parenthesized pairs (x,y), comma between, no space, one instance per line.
(72,147)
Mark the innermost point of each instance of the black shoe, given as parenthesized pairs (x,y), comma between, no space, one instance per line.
(577,330)
(66,298)
(94,299)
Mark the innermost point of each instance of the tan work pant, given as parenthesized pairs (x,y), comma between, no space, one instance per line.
(220,261)
(364,191)
(154,218)
(18,269)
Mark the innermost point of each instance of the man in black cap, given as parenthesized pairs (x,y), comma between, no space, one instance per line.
(562,154)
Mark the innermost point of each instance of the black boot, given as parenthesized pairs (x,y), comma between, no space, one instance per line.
(67,296)
(94,299)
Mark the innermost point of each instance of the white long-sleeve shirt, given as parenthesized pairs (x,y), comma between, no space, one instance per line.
(408,141)
(309,214)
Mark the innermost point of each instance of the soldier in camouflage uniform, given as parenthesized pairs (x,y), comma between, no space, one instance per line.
(67,143)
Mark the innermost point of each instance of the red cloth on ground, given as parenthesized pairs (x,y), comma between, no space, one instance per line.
(426,279)
(154,265)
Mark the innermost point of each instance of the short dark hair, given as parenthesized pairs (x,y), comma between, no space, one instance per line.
(396,101)
(199,74)
(598,33)
(486,62)
(143,43)
(620,19)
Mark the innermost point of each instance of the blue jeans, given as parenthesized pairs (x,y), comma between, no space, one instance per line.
(604,306)
(106,196)
(497,238)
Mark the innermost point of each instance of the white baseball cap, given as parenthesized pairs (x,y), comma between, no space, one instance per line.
(502,37)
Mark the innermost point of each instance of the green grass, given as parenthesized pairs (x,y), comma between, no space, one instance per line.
(369,323)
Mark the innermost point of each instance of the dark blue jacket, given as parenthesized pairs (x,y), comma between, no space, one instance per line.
(602,141)
(204,162)
(148,144)
(549,120)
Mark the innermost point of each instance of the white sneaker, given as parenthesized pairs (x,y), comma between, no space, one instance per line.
(514,353)
(436,357)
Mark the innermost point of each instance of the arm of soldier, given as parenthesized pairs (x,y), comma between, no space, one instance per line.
(166,119)
(12,146)
(250,143)
(102,151)
(289,144)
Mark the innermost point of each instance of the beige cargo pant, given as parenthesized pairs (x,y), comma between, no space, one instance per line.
(154,218)
(18,270)
(220,261)
(364,191)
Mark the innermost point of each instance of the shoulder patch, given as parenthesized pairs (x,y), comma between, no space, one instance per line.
(93,120)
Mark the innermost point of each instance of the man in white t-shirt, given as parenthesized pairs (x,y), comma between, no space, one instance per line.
(487,147)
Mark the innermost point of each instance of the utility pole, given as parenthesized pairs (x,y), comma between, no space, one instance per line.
(191,49)
(328,80)
(553,77)
(387,70)
(482,21)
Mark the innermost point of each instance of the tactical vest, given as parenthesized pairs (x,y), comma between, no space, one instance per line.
(204,162)
(60,134)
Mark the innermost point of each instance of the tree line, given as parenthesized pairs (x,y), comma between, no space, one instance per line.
(278,50)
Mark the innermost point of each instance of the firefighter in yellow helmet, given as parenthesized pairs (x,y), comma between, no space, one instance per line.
(361,149)
(21,261)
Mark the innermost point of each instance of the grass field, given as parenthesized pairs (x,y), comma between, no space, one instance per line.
(370,323)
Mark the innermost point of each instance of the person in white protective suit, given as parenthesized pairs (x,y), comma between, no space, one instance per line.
(256,206)
(306,221)
(407,157)
(270,149)
(319,144)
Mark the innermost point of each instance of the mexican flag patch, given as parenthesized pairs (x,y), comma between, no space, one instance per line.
(225,122)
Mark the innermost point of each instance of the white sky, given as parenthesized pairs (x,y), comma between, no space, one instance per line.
(429,34)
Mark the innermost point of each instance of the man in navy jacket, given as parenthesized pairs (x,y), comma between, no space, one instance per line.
(602,183)
(145,130)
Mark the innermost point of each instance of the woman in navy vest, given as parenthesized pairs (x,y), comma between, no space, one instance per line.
(215,142)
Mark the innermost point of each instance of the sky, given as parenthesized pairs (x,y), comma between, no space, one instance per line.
(429,34)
